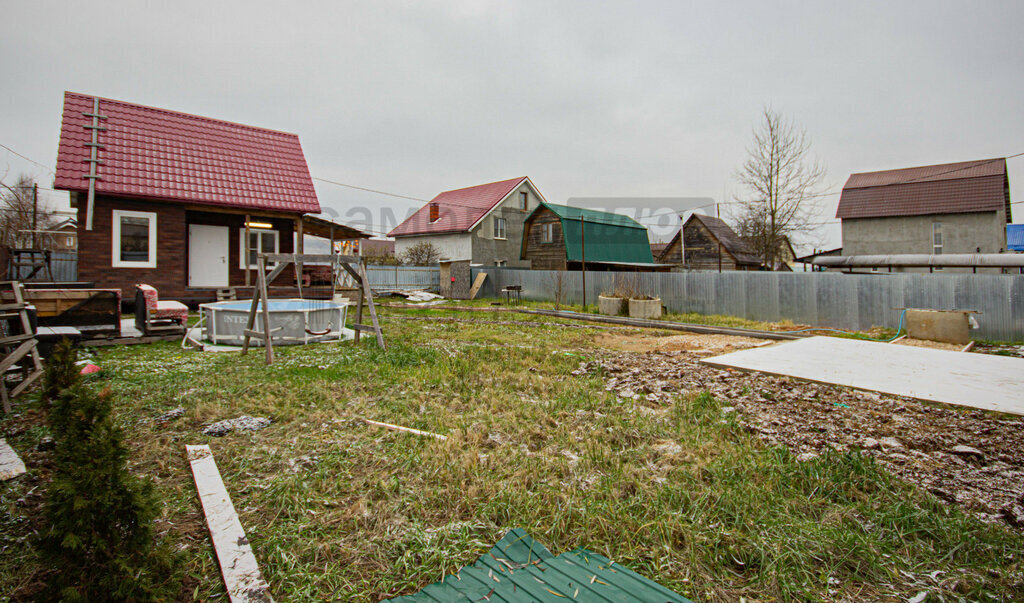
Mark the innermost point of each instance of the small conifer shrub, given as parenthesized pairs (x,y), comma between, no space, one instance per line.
(99,533)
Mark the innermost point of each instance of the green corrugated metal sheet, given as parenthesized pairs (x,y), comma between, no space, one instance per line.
(519,568)
(609,237)
(593,216)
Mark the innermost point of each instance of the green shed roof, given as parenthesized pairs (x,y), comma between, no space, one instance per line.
(609,237)
(519,568)
(593,216)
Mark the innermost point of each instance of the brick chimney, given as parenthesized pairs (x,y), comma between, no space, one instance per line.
(435,212)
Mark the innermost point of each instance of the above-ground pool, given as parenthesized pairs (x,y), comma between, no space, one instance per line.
(299,320)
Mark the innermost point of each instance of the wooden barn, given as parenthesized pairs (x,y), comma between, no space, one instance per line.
(557,237)
(707,243)
(181,202)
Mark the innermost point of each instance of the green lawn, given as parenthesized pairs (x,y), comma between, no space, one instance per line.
(680,495)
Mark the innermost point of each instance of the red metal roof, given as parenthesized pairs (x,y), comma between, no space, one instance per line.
(166,155)
(459,209)
(968,186)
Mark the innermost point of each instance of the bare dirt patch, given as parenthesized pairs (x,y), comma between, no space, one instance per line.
(697,343)
(966,457)
(924,343)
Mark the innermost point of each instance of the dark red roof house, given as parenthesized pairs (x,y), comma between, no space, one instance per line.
(167,198)
(482,224)
(930,210)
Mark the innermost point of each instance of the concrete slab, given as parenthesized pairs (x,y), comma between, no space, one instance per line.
(11,464)
(976,380)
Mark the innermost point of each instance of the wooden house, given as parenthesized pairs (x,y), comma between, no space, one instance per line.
(707,243)
(557,237)
(181,202)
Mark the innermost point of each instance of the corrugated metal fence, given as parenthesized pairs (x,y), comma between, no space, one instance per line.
(818,299)
(384,279)
(63,265)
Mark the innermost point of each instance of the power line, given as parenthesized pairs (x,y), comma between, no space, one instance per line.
(369,190)
(27,159)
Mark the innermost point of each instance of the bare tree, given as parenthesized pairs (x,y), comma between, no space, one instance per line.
(19,215)
(423,253)
(783,187)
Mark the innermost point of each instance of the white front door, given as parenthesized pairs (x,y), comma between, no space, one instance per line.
(207,256)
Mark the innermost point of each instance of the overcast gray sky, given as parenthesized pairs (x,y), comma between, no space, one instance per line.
(588,99)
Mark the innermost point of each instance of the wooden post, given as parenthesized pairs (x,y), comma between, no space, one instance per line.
(300,244)
(359,306)
(583,254)
(373,308)
(245,261)
(262,279)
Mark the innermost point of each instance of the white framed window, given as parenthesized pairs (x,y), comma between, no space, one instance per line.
(260,241)
(548,231)
(133,235)
(524,200)
(499,228)
(937,238)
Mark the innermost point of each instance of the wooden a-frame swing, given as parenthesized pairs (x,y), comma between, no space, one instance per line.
(282,261)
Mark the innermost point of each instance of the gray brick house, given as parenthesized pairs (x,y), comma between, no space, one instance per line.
(937,209)
(482,224)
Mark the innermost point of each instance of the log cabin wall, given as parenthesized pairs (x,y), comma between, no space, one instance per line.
(544,256)
(703,249)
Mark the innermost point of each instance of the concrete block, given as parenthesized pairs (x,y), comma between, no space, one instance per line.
(950,326)
(645,308)
(611,306)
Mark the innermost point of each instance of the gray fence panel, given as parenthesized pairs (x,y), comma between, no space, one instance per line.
(817,299)
(63,267)
(401,278)
(798,299)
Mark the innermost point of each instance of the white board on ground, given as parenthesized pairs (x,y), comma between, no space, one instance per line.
(977,380)
(237,562)
(10,463)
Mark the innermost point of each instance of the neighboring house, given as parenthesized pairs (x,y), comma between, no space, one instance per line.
(951,208)
(482,224)
(657,248)
(557,237)
(168,199)
(786,260)
(64,236)
(707,243)
(376,248)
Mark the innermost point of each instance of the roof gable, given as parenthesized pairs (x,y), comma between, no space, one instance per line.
(594,216)
(166,155)
(967,186)
(727,237)
(459,210)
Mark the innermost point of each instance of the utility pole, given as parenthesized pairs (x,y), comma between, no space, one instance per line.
(583,254)
(35,214)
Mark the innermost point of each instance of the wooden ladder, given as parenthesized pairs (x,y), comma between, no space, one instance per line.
(14,348)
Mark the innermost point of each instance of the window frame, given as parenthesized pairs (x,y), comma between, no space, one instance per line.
(115,239)
(524,200)
(547,233)
(241,246)
(504,232)
(937,232)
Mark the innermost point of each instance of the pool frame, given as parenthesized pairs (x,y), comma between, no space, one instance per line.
(280,318)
